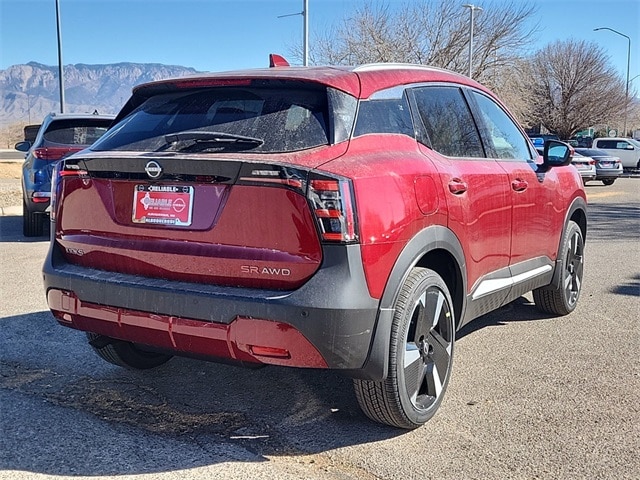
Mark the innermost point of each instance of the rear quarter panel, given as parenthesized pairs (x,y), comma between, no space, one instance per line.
(398,194)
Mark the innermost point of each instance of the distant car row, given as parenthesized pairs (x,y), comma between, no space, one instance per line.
(605,161)
(597,165)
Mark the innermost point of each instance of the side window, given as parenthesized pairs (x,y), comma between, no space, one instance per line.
(384,116)
(609,144)
(508,142)
(448,122)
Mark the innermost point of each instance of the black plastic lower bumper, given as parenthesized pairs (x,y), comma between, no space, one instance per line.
(333,310)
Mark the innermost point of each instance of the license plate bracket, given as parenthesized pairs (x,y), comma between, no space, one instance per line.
(170,205)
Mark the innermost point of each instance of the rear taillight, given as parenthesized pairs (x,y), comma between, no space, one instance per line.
(51,154)
(333,207)
(60,171)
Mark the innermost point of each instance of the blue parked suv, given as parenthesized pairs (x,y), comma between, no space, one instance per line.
(59,136)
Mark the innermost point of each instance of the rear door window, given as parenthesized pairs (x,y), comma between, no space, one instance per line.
(448,122)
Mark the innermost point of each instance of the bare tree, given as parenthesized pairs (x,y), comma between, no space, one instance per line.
(569,85)
(434,32)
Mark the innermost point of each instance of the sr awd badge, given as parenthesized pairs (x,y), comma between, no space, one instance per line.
(153,169)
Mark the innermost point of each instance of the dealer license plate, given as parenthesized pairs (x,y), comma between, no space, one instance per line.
(163,205)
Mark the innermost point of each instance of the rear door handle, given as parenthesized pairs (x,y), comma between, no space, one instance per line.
(519,185)
(457,186)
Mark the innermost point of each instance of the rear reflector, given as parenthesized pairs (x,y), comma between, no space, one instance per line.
(41,197)
(269,351)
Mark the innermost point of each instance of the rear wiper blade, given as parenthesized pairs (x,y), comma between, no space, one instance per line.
(199,136)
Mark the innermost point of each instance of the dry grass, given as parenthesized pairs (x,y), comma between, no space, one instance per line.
(10,170)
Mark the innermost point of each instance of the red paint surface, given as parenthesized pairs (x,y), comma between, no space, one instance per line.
(252,340)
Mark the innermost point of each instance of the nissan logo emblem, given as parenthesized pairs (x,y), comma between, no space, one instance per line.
(153,169)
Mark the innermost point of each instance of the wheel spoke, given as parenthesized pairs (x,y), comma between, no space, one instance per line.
(434,381)
(427,355)
(414,369)
(437,309)
(421,319)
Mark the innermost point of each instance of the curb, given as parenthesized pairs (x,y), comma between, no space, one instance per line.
(14,211)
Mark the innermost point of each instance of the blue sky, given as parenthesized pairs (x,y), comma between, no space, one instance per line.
(215,35)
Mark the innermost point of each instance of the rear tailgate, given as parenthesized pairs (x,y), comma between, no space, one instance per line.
(223,222)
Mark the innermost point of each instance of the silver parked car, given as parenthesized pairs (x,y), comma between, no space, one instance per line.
(586,166)
(608,167)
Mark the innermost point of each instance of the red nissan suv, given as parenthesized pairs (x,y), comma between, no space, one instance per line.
(322,217)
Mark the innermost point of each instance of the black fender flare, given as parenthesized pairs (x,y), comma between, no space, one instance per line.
(435,237)
(578,204)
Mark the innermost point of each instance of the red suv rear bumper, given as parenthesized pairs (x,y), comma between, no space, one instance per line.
(250,340)
(329,322)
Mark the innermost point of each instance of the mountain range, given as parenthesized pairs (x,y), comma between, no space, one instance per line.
(29,92)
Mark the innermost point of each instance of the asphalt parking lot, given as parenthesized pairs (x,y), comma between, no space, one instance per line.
(532,396)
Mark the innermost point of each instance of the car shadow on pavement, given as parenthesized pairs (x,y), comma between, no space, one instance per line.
(11,231)
(66,412)
(521,309)
(631,287)
(613,221)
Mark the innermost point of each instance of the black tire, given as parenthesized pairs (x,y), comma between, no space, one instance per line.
(608,181)
(125,354)
(563,299)
(32,223)
(420,357)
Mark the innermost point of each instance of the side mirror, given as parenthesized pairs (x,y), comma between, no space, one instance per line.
(556,154)
(22,146)
(629,147)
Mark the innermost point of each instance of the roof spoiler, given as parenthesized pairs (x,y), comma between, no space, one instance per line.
(276,60)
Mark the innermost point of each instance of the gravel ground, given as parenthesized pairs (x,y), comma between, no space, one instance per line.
(10,192)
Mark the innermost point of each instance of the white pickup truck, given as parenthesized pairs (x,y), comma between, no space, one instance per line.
(626,149)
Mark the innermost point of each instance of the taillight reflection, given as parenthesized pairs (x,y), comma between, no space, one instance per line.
(51,154)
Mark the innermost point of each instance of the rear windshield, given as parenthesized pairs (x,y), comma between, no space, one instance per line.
(589,152)
(76,131)
(271,118)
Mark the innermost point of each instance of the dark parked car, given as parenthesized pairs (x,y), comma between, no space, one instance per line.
(608,167)
(350,218)
(60,135)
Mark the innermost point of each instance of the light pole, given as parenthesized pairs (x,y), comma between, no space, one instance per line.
(305,30)
(472,9)
(626,94)
(60,69)
(29,107)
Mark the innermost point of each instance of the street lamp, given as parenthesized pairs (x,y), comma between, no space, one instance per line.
(626,95)
(305,30)
(60,71)
(472,9)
